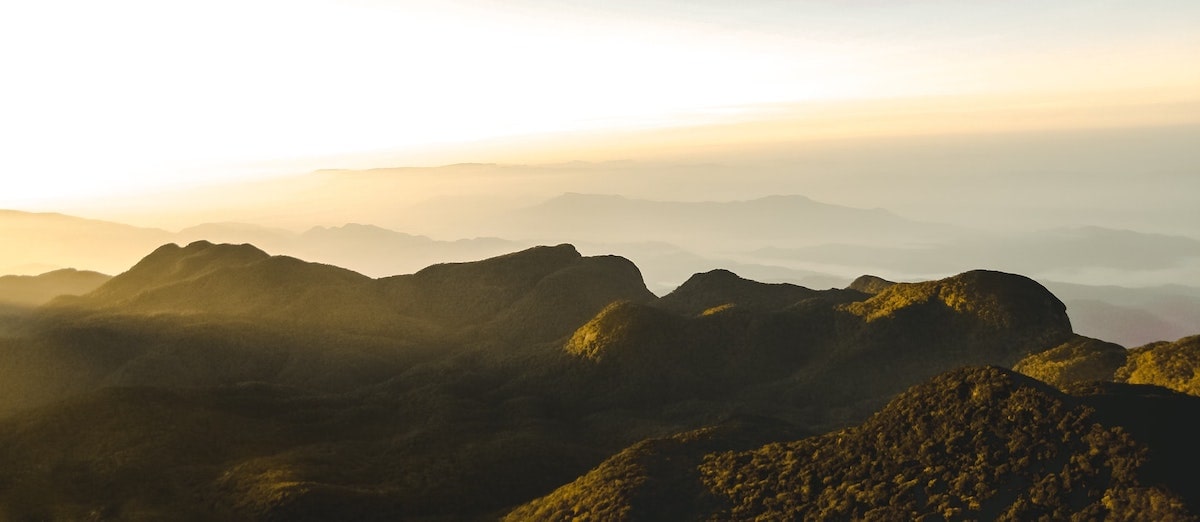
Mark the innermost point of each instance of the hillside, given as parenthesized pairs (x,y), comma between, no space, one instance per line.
(976,443)
(1172,365)
(19,295)
(40,289)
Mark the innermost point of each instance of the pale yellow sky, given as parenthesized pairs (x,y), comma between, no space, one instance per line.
(116,96)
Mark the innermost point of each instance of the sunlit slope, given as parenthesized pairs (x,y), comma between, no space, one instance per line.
(1174,365)
(1079,360)
(39,289)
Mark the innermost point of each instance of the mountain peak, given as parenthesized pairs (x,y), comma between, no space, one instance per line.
(170,261)
(720,287)
(998,296)
(204,276)
(869,284)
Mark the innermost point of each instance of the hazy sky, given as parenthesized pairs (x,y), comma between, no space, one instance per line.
(123,94)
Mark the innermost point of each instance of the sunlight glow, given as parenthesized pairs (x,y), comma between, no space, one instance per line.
(111,96)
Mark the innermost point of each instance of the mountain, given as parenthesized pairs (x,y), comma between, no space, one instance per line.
(1131,316)
(217,381)
(1079,360)
(666,266)
(381,252)
(1172,365)
(40,289)
(716,288)
(237,281)
(1040,252)
(1092,259)
(20,294)
(542,292)
(841,353)
(869,284)
(712,226)
(207,314)
(979,443)
(54,241)
(61,241)
(367,249)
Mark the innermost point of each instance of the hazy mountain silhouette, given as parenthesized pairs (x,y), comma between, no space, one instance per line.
(45,241)
(869,284)
(774,244)
(666,266)
(724,288)
(40,289)
(20,294)
(1037,253)
(367,249)
(1131,316)
(709,226)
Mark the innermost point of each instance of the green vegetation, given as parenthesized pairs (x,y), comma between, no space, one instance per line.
(972,444)
(1079,360)
(1171,365)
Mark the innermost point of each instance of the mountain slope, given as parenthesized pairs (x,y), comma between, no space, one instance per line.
(979,443)
(37,290)
(210,315)
(1079,360)
(1173,365)
(833,351)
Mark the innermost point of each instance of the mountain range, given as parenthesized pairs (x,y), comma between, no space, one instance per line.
(1114,281)
(217,381)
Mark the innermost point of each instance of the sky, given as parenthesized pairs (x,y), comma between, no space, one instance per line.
(128,95)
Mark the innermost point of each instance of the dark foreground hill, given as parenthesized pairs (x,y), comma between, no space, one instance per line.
(977,443)
(217,382)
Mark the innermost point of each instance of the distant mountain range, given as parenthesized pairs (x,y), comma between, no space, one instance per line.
(733,225)
(216,381)
(1049,251)
(53,241)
